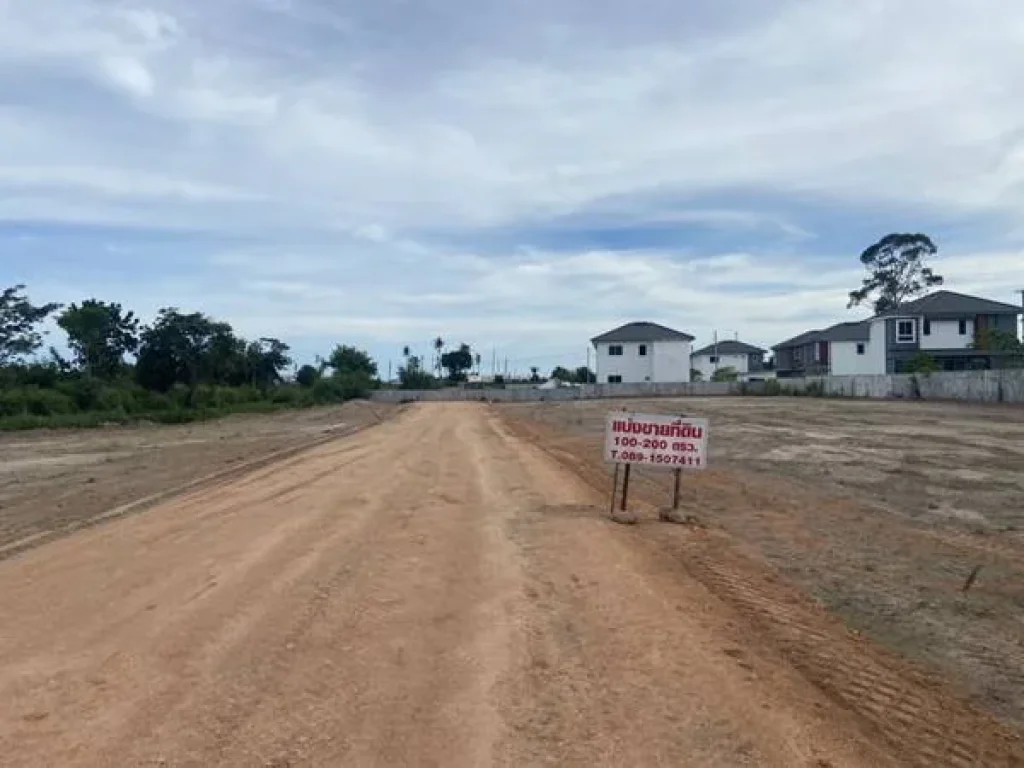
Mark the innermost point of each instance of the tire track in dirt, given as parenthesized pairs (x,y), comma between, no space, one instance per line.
(909,709)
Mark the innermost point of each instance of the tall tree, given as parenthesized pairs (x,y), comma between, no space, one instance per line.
(438,348)
(563,375)
(227,359)
(896,271)
(585,376)
(412,376)
(307,376)
(457,362)
(349,360)
(100,335)
(19,324)
(183,349)
(266,361)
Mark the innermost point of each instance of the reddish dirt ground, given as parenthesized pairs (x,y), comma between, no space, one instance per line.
(880,510)
(56,482)
(444,589)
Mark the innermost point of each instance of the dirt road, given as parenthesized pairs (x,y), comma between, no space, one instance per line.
(435,591)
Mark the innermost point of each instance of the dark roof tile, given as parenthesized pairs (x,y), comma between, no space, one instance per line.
(951,303)
(641,331)
(730,347)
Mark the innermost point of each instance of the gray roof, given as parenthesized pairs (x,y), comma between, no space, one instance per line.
(641,331)
(855,331)
(804,338)
(950,303)
(730,347)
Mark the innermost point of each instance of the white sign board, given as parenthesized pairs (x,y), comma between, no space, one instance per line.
(656,440)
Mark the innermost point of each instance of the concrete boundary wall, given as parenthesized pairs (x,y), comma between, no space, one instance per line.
(970,386)
(1004,386)
(531,394)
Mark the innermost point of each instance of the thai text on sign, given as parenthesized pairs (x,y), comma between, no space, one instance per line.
(668,442)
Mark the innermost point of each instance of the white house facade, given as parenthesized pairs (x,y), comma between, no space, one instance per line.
(643,352)
(943,325)
(746,359)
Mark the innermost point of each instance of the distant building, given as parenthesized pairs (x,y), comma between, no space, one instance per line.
(746,359)
(643,352)
(943,325)
(839,350)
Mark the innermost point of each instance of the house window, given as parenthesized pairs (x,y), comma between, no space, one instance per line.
(615,379)
(817,353)
(860,347)
(713,359)
(905,331)
(643,350)
(615,350)
(927,330)
(963,327)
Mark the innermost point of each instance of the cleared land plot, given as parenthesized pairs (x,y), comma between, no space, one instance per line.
(881,510)
(440,590)
(54,482)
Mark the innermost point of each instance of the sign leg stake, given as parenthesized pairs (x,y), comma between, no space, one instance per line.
(615,487)
(675,490)
(625,488)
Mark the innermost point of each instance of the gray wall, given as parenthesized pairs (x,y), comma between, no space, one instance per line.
(588,392)
(1006,386)
(890,335)
(1006,323)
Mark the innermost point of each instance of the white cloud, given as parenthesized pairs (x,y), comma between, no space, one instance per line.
(129,74)
(353,139)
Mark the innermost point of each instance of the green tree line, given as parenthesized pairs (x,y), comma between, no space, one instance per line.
(181,367)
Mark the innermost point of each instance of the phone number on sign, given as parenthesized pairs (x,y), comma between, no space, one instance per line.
(639,457)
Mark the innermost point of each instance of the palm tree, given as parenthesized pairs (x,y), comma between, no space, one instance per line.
(438,346)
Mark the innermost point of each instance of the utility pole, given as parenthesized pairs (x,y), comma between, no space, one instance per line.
(716,351)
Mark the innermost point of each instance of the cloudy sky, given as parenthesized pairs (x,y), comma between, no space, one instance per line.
(516,174)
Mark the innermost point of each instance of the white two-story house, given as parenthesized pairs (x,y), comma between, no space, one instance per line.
(643,352)
(745,359)
(944,325)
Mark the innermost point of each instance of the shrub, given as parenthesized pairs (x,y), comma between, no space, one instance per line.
(33,401)
(147,401)
(922,362)
(286,396)
(815,389)
(85,391)
(307,376)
